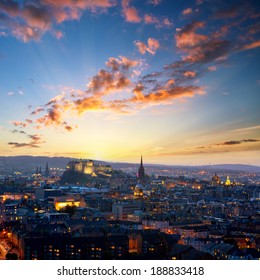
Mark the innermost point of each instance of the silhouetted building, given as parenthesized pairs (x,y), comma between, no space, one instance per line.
(47,171)
(141,173)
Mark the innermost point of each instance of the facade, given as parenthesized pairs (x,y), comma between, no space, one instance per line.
(122,210)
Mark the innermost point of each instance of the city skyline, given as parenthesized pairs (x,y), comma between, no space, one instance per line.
(111,80)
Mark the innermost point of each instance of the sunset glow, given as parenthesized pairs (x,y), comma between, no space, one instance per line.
(175,81)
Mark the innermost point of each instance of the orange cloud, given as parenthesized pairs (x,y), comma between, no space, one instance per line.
(166,95)
(252,45)
(56,109)
(107,81)
(117,77)
(21,124)
(121,64)
(68,128)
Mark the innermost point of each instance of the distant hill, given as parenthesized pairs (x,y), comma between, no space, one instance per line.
(28,163)
(237,167)
(214,167)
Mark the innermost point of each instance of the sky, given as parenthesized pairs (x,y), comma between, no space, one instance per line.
(175,81)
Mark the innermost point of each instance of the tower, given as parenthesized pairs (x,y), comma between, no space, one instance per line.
(141,174)
(47,172)
(228,182)
(215,181)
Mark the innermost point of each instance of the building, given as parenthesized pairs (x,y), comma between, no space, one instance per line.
(88,167)
(47,171)
(141,172)
(67,247)
(215,181)
(121,210)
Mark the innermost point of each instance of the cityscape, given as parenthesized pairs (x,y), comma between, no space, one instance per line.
(90,210)
(129,130)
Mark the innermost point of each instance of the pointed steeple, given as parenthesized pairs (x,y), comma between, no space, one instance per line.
(37,170)
(141,174)
(47,172)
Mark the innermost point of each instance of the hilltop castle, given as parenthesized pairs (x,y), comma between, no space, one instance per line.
(88,167)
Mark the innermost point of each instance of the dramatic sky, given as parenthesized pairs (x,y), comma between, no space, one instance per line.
(176,81)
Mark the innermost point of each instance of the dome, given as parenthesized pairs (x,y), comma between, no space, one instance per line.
(139,186)
(215,178)
(138,190)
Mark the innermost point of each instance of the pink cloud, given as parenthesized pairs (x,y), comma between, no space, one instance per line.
(186,37)
(151,47)
(58,34)
(158,22)
(189,74)
(37,111)
(200,47)
(81,4)
(187,11)
(130,13)
(212,68)
(150,19)
(141,47)
(3,34)
(167,22)
(38,17)
(154,2)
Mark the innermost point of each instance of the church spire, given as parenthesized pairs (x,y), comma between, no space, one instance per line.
(141,174)
(47,172)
